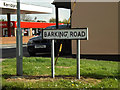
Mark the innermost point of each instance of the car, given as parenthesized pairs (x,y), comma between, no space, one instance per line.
(38,45)
(64,26)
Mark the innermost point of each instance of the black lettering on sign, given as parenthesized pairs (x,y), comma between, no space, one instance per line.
(56,34)
(83,33)
(59,34)
(62,34)
(75,34)
(48,34)
(79,34)
(52,34)
(4,4)
(71,34)
(65,34)
(10,5)
(45,34)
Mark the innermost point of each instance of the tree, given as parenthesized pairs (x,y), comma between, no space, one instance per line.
(65,21)
(25,17)
(2,19)
(52,20)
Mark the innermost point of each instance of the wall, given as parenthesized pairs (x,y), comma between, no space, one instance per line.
(12,40)
(101,18)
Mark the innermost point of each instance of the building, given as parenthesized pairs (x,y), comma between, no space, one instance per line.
(28,28)
(8,8)
(102,20)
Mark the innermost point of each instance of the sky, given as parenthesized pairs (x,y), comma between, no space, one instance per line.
(63,13)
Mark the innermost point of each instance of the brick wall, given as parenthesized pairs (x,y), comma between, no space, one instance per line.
(12,40)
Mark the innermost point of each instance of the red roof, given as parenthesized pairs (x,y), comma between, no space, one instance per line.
(4,24)
(28,24)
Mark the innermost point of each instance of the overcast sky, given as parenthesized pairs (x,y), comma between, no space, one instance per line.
(63,13)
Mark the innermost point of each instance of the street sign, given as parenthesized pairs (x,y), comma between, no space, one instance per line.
(79,33)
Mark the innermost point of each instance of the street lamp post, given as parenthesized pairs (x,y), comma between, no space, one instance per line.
(19,48)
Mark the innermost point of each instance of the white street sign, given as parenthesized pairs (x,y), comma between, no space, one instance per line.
(79,33)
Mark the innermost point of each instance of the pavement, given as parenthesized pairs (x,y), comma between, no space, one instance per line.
(7,46)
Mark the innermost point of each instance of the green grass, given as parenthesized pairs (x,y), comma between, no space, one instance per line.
(37,72)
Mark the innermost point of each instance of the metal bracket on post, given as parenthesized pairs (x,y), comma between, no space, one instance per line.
(52,59)
(78,59)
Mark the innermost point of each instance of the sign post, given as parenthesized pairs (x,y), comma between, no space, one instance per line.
(75,33)
(52,59)
(78,59)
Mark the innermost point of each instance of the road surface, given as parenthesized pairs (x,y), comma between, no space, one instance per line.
(9,51)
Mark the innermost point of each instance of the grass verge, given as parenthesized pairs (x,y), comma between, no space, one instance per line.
(37,74)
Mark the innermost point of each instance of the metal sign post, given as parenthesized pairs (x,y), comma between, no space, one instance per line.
(75,33)
(78,59)
(19,48)
(52,59)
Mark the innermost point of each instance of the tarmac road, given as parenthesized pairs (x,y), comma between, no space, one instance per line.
(9,51)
